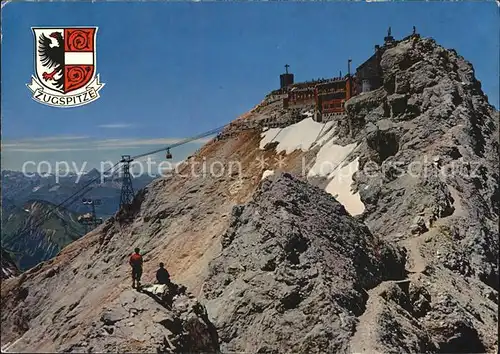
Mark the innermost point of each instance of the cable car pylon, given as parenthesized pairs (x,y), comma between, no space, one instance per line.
(127,191)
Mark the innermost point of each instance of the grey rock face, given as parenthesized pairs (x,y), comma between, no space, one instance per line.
(451,327)
(292,274)
(159,318)
(429,179)
(443,138)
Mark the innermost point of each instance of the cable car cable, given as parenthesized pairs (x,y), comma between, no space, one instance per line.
(79,192)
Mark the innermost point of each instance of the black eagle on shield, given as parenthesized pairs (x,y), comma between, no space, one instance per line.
(52,57)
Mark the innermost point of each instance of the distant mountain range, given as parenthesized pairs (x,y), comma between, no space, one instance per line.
(19,188)
(33,236)
(26,200)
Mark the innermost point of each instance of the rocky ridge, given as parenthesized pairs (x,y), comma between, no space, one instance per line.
(432,121)
(166,320)
(293,271)
(430,115)
(158,318)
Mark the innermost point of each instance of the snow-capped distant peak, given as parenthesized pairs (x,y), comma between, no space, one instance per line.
(53,189)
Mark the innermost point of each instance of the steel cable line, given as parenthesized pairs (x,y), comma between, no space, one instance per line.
(79,193)
(71,198)
(182,142)
(43,215)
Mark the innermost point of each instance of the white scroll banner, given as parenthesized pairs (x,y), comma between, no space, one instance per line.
(49,98)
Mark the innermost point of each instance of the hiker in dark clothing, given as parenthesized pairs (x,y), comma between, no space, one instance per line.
(162,275)
(136,264)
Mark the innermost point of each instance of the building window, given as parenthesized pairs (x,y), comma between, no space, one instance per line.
(366,86)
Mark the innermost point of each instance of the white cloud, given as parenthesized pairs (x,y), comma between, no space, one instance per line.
(142,142)
(115,126)
(55,149)
(82,143)
(60,137)
(29,141)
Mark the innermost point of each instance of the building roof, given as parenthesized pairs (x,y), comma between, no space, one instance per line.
(334,80)
(302,89)
(367,61)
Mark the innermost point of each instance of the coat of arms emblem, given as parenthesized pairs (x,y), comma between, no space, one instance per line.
(65,66)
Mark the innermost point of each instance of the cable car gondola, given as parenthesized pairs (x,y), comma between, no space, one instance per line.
(84,217)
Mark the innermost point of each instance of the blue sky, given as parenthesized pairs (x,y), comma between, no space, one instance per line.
(172,70)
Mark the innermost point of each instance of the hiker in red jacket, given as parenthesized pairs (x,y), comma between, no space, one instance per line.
(136,264)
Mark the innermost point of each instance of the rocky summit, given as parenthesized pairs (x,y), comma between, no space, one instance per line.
(293,270)
(370,231)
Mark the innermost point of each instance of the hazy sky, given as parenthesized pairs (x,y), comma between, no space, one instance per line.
(173,70)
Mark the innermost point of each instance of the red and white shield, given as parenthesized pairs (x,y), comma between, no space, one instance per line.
(65,58)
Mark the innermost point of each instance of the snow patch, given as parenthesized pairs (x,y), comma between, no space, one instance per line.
(267,173)
(268,136)
(340,188)
(155,289)
(327,133)
(301,135)
(36,188)
(329,157)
